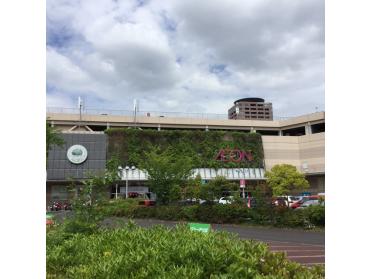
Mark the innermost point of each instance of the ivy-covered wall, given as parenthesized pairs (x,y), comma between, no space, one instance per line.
(201,146)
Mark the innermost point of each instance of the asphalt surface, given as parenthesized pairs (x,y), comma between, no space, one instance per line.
(305,247)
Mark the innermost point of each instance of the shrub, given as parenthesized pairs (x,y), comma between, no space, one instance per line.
(218,213)
(73,226)
(133,252)
(119,207)
(315,214)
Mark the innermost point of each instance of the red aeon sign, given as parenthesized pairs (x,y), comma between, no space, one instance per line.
(234,155)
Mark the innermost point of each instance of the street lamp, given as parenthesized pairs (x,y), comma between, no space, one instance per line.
(120,169)
(127,168)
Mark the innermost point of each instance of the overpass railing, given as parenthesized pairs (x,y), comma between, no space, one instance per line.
(93,111)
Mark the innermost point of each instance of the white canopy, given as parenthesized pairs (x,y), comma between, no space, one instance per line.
(205,173)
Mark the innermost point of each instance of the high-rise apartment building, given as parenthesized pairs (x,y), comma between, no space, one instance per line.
(251,108)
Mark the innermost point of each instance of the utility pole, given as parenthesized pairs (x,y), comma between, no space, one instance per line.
(80,104)
(136,108)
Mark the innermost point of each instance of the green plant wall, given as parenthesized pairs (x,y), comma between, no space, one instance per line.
(202,146)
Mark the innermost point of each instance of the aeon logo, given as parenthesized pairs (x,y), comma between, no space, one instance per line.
(234,155)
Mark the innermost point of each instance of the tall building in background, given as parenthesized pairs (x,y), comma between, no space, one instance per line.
(251,108)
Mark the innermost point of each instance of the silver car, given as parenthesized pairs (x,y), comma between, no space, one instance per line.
(310,203)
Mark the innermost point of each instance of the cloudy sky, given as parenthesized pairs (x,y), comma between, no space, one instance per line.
(186,55)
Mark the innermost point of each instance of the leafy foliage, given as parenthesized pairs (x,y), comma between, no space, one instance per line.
(134,252)
(192,188)
(200,146)
(217,213)
(315,214)
(167,170)
(217,188)
(52,138)
(92,194)
(283,179)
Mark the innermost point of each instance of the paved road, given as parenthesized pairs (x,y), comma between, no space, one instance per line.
(305,247)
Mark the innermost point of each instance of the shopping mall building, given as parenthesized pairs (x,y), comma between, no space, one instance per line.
(298,141)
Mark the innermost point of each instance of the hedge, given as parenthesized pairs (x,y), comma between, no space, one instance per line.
(159,252)
(218,213)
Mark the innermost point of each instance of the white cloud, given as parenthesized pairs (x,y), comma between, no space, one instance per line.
(64,74)
(162,52)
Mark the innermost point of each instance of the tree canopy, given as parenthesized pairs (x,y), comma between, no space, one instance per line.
(284,178)
(167,171)
(52,138)
(217,188)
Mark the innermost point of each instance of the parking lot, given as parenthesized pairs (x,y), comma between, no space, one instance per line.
(305,247)
(306,254)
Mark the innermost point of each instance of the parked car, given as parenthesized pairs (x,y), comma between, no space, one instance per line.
(310,203)
(279,201)
(285,200)
(304,199)
(226,200)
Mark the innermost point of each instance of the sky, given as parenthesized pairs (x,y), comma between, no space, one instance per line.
(185,55)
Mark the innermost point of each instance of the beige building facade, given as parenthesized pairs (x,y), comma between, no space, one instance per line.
(299,141)
(305,152)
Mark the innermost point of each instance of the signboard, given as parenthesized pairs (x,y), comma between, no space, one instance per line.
(49,216)
(200,227)
(242,183)
(77,154)
(234,155)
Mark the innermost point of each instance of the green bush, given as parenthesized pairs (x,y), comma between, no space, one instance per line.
(315,214)
(234,213)
(119,207)
(74,225)
(287,217)
(133,252)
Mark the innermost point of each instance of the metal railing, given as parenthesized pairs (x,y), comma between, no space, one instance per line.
(93,111)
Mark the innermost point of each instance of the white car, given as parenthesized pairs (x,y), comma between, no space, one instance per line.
(226,200)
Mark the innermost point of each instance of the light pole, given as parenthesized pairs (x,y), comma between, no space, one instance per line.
(120,169)
(127,168)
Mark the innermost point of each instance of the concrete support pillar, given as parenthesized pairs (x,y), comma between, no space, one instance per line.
(308,129)
(280,133)
(159,127)
(206,128)
(108,125)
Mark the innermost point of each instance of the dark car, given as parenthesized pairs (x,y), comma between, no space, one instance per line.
(279,201)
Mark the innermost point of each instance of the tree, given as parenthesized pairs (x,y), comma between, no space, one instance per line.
(94,191)
(283,179)
(52,138)
(217,188)
(166,170)
(192,188)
